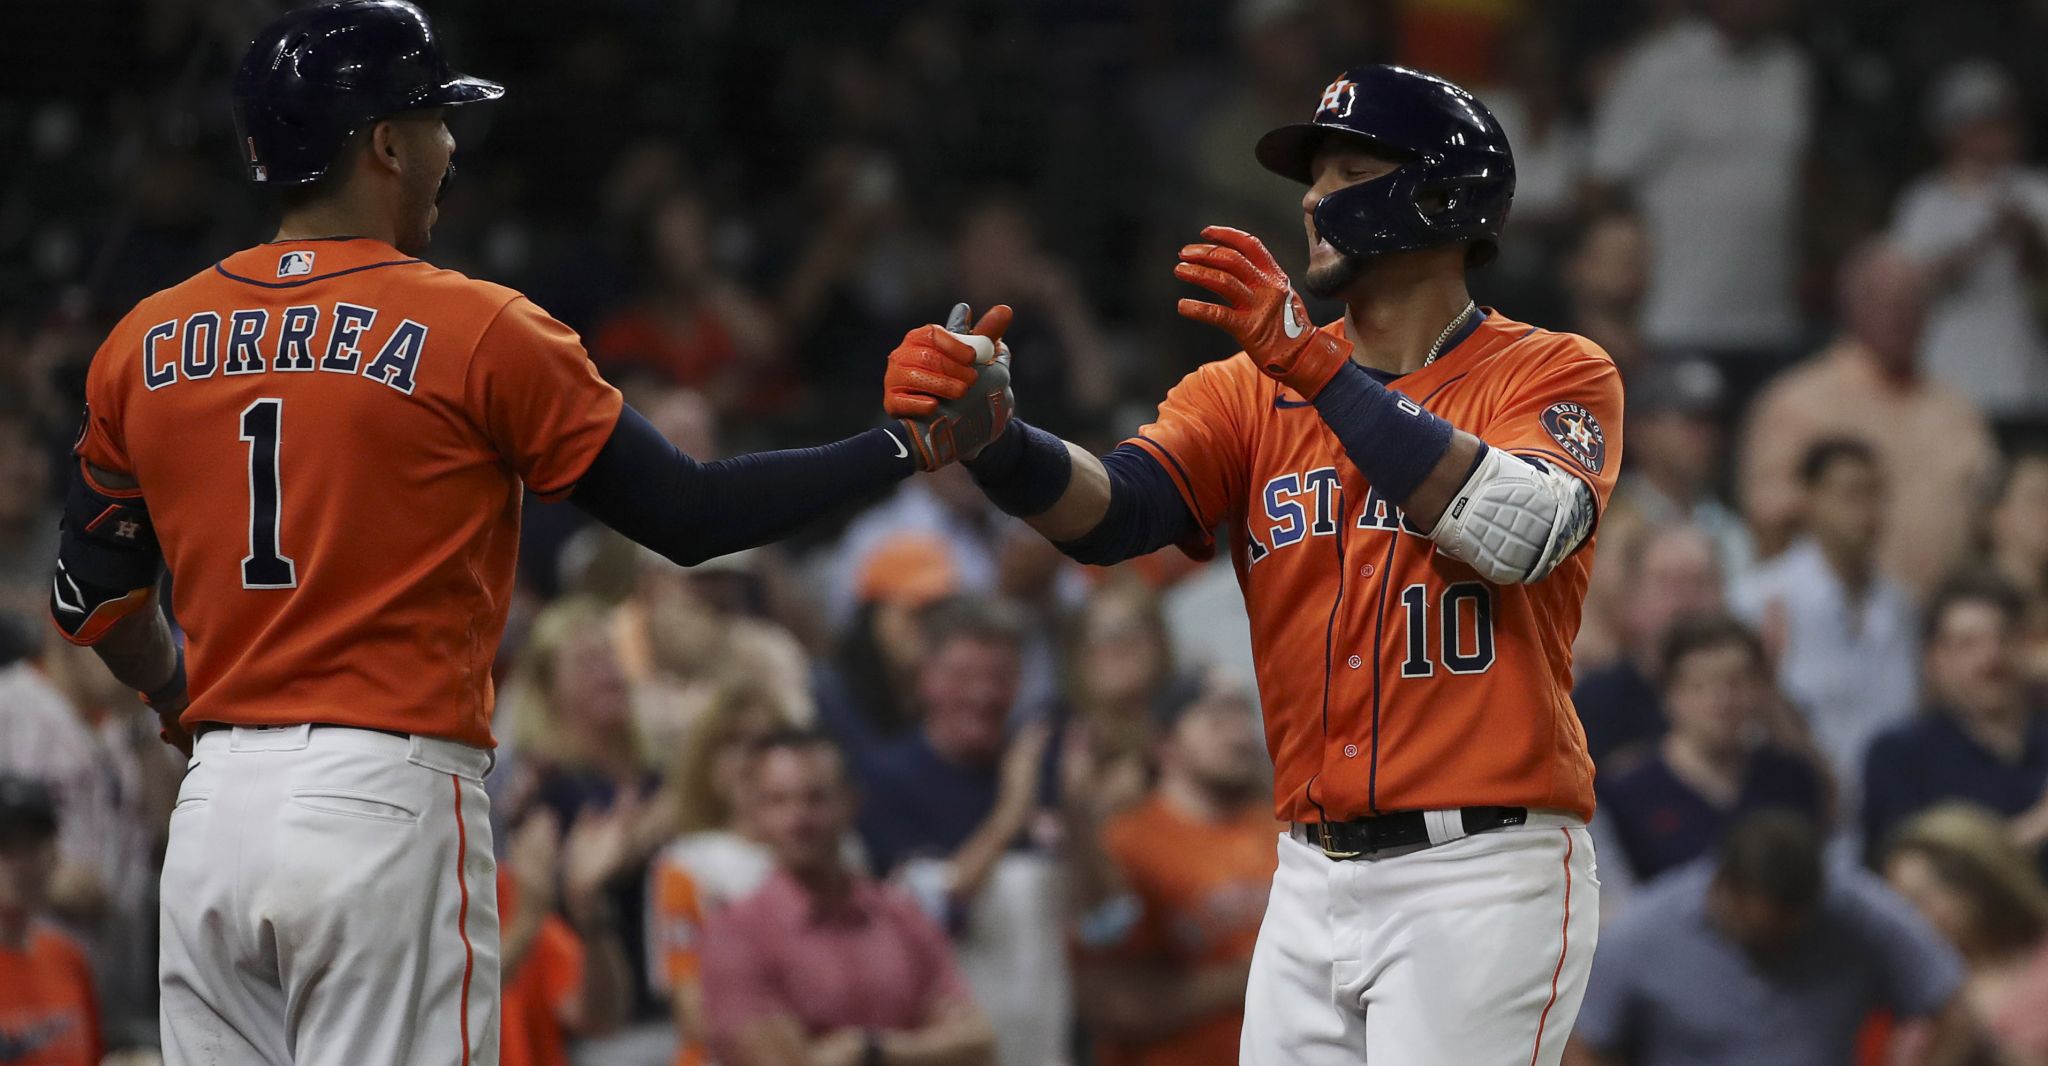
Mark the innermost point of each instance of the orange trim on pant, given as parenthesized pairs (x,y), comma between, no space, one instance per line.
(462,919)
(1561,948)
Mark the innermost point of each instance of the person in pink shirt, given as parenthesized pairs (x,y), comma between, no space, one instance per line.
(823,966)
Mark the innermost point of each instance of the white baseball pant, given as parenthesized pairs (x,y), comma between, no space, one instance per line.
(329,899)
(1470,953)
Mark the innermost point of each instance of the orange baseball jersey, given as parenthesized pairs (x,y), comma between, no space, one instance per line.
(675,927)
(49,1015)
(1393,677)
(331,438)
(546,988)
(1203,889)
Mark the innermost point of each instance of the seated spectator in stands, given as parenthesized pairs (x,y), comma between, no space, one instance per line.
(563,977)
(719,856)
(1675,444)
(958,811)
(1062,360)
(1983,738)
(1123,671)
(2017,534)
(1838,624)
(1716,762)
(866,694)
(28,532)
(822,966)
(1605,276)
(691,324)
(685,633)
(1959,866)
(1868,386)
(1167,896)
(1665,573)
(1765,956)
(1978,223)
(49,1014)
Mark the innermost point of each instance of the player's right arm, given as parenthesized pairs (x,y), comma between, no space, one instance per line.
(1172,483)
(103,586)
(568,434)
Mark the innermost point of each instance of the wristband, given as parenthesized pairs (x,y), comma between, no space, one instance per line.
(1024,471)
(1392,440)
(173,688)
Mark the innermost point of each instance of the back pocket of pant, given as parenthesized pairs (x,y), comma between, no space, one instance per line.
(353,804)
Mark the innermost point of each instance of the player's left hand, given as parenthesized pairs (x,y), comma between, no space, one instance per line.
(1260,309)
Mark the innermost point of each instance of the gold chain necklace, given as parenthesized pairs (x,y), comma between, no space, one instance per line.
(1438,348)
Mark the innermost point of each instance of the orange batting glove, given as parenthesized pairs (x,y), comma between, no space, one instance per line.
(950,386)
(1262,311)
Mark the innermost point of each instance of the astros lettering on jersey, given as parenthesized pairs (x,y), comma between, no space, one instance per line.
(275,386)
(1387,668)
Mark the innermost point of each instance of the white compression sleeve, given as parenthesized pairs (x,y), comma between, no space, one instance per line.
(1515,519)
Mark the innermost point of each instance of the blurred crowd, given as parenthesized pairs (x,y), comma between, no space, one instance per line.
(1813,671)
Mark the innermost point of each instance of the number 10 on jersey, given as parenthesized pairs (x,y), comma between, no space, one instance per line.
(265,567)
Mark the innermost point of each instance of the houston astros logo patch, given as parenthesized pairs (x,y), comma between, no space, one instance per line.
(1578,433)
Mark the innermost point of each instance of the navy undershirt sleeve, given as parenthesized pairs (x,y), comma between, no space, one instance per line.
(647,489)
(1146,513)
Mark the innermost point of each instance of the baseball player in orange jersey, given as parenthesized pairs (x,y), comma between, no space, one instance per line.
(327,439)
(1409,495)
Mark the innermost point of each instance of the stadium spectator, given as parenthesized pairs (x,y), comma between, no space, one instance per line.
(1866,386)
(1271,39)
(1958,865)
(2017,548)
(1978,223)
(49,1012)
(1605,274)
(1167,896)
(866,695)
(959,811)
(563,977)
(691,325)
(1124,674)
(719,856)
(1983,738)
(1666,573)
(1838,625)
(947,505)
(1706,125)
(28,535)
(1764,956)
(684,634)
(1061,357)
(821,965)
(1717,762)
(1676,411)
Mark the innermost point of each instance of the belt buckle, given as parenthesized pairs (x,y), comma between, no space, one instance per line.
(1332,853)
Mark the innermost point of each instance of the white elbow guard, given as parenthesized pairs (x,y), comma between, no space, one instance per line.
(1515,519)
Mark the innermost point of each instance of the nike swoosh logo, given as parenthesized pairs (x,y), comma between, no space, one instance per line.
(902,450)
(1287,320)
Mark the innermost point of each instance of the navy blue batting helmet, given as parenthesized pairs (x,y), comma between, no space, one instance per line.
(322,72)
(1456,176)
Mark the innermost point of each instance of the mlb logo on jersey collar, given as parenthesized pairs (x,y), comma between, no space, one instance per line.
(294,264)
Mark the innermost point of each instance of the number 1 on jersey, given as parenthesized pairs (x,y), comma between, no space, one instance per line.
(263,567)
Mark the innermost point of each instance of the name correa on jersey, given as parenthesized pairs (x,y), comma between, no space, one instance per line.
(207,343)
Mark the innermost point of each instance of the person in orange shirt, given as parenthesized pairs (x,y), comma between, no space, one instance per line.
(49,1015)
(1173,895)
(1409,495)
(327,440)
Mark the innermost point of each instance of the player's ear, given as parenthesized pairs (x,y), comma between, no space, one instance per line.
(386,146)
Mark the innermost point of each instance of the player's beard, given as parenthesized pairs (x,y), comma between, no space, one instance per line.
(418,211)
(1333,281)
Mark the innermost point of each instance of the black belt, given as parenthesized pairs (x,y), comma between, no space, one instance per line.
(204,728)
(1402,829)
